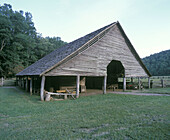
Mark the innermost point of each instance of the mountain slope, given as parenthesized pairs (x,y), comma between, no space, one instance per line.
(158,64)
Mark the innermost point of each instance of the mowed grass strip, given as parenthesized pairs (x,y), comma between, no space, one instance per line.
(92,117)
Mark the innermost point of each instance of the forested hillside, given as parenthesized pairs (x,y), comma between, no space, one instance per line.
(158,64)
(20,44)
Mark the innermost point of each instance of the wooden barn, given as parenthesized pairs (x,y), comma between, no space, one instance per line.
(94,61)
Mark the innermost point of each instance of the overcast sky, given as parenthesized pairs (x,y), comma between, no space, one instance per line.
(146,22)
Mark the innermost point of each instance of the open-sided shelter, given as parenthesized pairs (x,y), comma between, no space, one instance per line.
(95,60)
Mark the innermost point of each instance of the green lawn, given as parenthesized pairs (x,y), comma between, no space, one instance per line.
(153,90)
(92,117)
(157,90)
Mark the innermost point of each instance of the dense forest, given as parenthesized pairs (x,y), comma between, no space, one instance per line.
(20,44)
(158,64)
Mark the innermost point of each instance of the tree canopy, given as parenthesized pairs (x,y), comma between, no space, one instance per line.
(158,64)
(20,44)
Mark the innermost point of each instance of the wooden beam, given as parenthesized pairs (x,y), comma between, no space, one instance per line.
(124,83)
(149,82)
(77,86)
(31,86)
(42,88)
(104,84)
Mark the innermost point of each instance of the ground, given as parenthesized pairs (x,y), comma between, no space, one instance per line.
(110,116)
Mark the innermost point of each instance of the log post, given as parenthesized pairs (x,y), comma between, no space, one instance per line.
(104,84)
(139,84)
(31,86)
(149,82)
(124,83)
(42,88)
(77,86)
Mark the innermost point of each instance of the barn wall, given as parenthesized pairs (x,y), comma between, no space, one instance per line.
(94,60)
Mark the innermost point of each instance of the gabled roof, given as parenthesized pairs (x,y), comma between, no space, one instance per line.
(59,54)
(71,49)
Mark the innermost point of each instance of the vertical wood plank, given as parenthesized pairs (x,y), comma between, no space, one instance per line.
(42,88)
(31,86)
(77,86)
(149,82)
(139,84)
(124,83)
(105,83)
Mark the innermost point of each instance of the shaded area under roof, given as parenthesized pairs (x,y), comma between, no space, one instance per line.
(59,54)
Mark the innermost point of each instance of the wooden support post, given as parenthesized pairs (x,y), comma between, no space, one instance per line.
(104,84)
(31,86)
(162,83)
(149,82)
(77,86)
(124,83)
(139,84)
(26,84)
(42,88)
(19,81)
(2,81)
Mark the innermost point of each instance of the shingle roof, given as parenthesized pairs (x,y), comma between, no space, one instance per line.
(59,54)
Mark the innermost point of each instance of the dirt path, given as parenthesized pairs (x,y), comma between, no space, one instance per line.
(143,94)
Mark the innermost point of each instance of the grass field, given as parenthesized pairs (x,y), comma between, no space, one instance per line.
(92,117)
(153,90)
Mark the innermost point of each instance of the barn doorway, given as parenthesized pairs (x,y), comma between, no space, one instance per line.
(115,70)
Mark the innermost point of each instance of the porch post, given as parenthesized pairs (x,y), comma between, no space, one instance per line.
(124,83)
(149,82)
(105,84)
(42,88)
(31,86)
(77,86)
(139,84)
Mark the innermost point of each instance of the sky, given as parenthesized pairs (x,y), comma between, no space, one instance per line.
(145,22)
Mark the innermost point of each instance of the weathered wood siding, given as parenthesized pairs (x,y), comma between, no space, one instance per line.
(94,60)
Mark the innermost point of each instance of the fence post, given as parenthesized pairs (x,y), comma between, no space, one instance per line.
(162,83)
(2,81)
